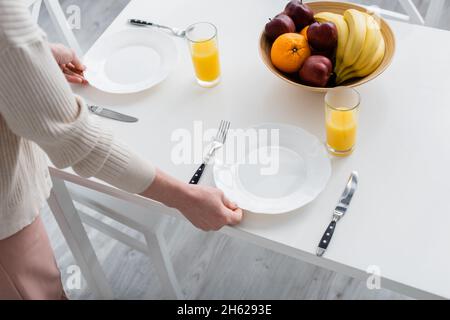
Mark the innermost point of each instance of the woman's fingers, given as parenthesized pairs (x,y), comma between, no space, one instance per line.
(77,62)
(228,203)
(72,68)
(234,216)
(72,73)
(74,77)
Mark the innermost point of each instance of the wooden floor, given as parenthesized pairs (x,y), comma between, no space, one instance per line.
(209,265)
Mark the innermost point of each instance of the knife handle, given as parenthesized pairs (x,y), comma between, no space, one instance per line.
(326,238)
(198,174)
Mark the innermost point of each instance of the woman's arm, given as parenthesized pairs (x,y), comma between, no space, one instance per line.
(38,105)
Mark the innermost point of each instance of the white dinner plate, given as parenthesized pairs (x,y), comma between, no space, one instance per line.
(130,61)
(262,186)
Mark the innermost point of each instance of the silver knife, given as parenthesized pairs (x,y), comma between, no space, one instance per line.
(107,113)
(339,212)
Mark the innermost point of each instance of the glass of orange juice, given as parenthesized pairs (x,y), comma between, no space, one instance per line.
(341,120)
(203,44)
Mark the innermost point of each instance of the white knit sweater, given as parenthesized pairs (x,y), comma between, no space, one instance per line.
(39,116)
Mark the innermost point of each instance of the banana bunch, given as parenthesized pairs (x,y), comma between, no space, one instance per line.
(361,45)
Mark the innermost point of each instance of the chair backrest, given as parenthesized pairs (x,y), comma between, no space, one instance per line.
(434,13)
(413,15)
(59,20)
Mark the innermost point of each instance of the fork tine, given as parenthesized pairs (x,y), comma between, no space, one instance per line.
(222,130)
(225,133)
(219,132)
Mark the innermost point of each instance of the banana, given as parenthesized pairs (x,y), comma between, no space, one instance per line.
(373,41)
(370,66)
(342,29)
(356,21)
(371,44)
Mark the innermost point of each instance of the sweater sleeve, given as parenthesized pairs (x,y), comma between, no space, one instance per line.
(38,105)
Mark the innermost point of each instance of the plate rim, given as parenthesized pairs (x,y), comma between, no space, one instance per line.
(110,36)
(296,207)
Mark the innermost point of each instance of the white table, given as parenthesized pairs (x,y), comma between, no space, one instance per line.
(400,216)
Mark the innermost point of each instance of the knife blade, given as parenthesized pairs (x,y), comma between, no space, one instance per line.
(339,212)
(110,114)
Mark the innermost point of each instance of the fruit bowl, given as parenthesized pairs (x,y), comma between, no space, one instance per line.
(265,46)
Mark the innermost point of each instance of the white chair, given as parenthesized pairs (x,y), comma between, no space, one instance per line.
(412,15)
(59,20)
(434,13)
(67,190)
(149,220)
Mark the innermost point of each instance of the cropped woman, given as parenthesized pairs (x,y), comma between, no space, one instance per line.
(40,117)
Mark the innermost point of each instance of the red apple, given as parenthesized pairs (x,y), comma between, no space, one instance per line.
(301,14)
(279,25)
(323,36)
(316,71)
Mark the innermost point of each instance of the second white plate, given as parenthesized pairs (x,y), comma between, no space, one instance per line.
(130,61)
(293,172)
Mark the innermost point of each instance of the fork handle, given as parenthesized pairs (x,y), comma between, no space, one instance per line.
(138,22)
(143,23)
(198,174)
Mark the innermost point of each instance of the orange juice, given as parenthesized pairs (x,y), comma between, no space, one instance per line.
(341,130)
(205,56)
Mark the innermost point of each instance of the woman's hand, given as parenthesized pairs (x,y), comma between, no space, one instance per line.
(69,63)
(205,207)
(208,209)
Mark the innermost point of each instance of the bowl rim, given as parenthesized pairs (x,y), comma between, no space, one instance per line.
(361,81)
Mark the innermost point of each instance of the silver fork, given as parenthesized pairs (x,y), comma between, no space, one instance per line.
(142,23)
(217,143)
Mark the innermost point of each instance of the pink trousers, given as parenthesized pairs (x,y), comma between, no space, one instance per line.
(28,269)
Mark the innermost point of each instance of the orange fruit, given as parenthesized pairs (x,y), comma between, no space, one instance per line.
(289,52)
(304,32)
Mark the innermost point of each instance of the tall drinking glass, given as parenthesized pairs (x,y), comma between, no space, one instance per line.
(203,44)
(342,116)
